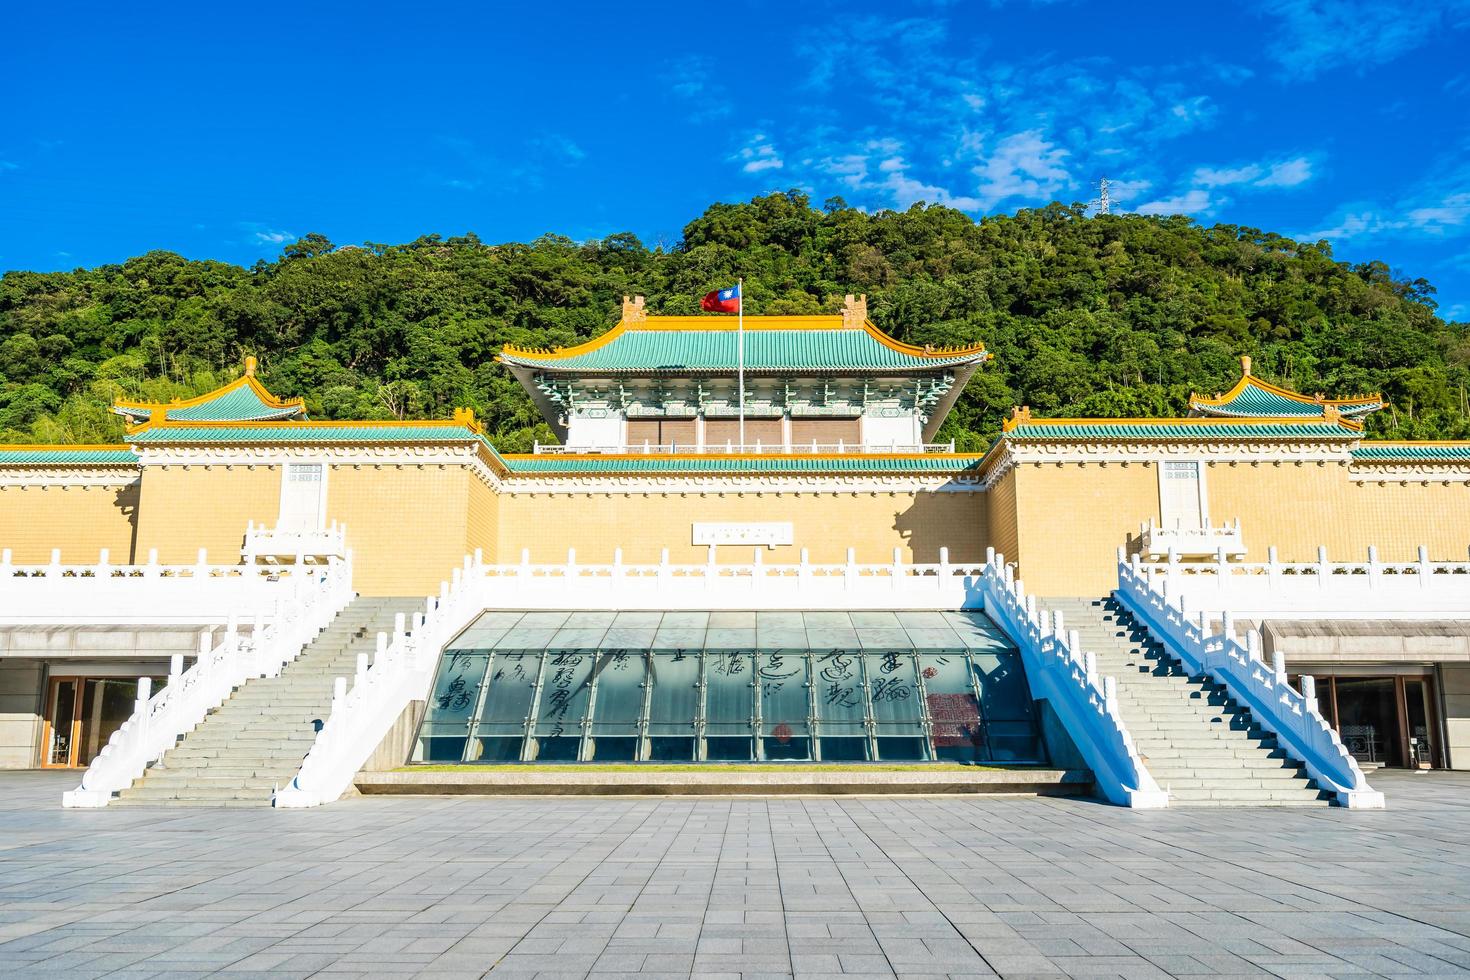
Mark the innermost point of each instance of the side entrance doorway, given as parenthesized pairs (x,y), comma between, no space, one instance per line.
(81,714)
(1384,720)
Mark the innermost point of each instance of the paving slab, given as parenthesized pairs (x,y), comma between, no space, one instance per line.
(746,886)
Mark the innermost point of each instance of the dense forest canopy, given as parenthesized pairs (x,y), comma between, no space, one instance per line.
(1113,315)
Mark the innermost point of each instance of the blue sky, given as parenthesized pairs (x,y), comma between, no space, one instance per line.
(224,131)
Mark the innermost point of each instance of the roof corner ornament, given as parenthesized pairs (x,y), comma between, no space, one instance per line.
(249,365)
(1020,415)
(633,311)
(466,417)
(854,311)
(1245,365)
(1330,414)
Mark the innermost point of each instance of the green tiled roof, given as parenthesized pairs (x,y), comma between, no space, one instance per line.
(244,400)
(1370,452)
(302,432)
(680,351)
(933,463)
(66,456)
(1256,401)
(1200,430)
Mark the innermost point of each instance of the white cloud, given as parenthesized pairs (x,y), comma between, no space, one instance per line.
(907,191)
(271,237)
(758,155)
(1283,173)
(7,165)
(1450,213)
(1287,173)
(1023,165)
(1314,36)
(1195,201)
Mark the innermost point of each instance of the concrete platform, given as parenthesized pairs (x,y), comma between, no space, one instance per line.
(725,781)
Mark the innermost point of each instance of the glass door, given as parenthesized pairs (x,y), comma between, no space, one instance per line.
(63,722)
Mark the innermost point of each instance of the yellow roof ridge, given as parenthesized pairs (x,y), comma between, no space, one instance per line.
(79,446)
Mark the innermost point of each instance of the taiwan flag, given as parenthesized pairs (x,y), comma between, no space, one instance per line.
(722,301)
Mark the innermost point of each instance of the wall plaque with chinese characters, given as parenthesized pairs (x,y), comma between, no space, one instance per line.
(768,533)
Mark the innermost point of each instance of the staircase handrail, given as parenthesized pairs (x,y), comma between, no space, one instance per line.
(1061,673)
(158,720)
(400,673)
(1292,715)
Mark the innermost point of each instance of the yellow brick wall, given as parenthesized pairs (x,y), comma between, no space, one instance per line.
(483,519)
(1073,517)
(1296,508)
(80,520)
(406,525)
(824,523)
(1001,508)
(185,508)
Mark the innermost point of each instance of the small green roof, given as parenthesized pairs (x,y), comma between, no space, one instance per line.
(855,463)
(243,400)
(1401,452)
(67,456)
(1251,397)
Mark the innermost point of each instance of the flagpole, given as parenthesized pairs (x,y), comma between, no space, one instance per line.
(740,356)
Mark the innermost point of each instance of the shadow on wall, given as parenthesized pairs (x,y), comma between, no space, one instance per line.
(126,501)
(931,524)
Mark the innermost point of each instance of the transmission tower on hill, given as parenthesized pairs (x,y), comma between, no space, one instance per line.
(1102,202)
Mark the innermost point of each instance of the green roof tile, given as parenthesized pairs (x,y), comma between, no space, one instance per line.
(678,351)
(1183,430)
(553,464)
(66,456)
(301,432)
(1398,453)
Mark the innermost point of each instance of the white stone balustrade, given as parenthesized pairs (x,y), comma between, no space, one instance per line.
(54,594)
(1274,704)
(1059,671)
(1191,542)
(279,546)
(1323,589)
(159,719)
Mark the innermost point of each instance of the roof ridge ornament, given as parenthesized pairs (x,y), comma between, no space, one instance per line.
(854,311)
(633,311)
(1245,365)
(250,365)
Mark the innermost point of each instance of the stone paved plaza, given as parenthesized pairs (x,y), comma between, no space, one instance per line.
(717,887)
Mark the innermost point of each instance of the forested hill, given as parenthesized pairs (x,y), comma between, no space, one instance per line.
(1103,316)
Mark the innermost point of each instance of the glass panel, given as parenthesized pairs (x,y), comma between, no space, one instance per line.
(666,749)
(841,699)
(508,701)
(953,707)
(893,688)
(108,703)
(1004,693)
(564,693)
(618,707)
(1369,719)
(452,703)
(63,711)
(674,705)
(785,704)
(1416,703)
(729,700)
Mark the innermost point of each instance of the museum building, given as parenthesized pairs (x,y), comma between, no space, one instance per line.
(800,446)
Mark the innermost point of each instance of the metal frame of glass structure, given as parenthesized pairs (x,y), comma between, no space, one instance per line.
(511,689)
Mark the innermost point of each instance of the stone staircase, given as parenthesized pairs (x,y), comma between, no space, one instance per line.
(256,740)
(1199,745)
